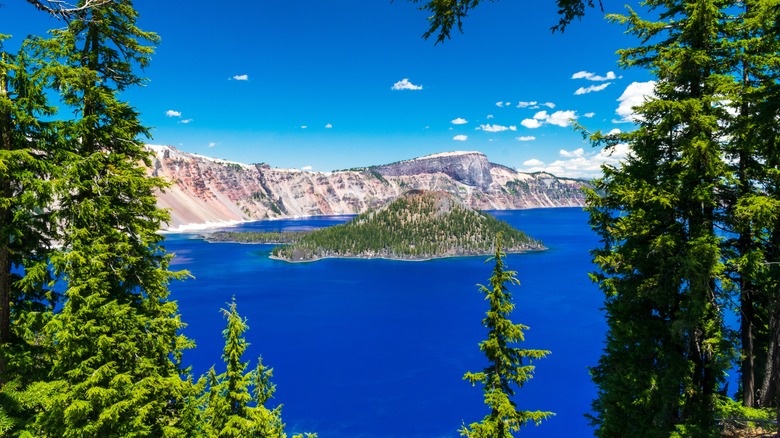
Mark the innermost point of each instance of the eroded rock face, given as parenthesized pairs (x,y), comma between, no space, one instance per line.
(469,168)
(207,190)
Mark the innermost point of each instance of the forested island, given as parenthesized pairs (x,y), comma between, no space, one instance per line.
(418,225)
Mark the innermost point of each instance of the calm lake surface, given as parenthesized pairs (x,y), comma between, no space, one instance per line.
(378,348)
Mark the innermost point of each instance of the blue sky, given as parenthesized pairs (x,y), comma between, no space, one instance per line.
(327,85)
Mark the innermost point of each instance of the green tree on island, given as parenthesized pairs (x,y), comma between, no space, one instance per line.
(509,366)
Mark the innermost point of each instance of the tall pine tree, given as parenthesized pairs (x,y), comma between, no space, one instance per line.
(509,366)
(116,342)
(661,265)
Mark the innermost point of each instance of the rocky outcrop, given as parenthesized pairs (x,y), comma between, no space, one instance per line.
(208,190)
(469,168)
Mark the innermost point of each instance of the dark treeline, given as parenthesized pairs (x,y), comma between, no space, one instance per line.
(278,237)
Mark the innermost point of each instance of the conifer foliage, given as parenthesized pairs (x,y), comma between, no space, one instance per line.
(231,410)
(509,366)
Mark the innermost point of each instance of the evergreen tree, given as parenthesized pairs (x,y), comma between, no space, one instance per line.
(750,195)
(115,342)
(508,365)
(661,265)
(230,408)
(25,224)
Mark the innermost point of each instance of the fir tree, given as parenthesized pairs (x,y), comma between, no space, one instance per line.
(116,345)
(234,404)
(508,365)
(661,265)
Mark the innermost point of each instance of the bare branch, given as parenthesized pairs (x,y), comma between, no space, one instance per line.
(64,9)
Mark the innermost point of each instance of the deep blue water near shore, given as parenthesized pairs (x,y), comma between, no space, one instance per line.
(378,348)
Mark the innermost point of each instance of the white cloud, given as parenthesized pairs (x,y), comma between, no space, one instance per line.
(593,77)
(404,84)
(461,137)
(459,121)
(635,94)
(588,115)
(592,88)
(578,163)
(575,153)
(241,77)
(526,104)
(549,105)
(173,113)
(212,144)
(526,138)
(561,118)
(500,104)
(531,123)
(304,126)
(185,121)
(489,116)
(558,118)
(328,126)
(307,168)
(614,131)
(533,163)
(497,128)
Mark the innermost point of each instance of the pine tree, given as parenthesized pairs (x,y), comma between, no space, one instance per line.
(508,365)
(26,232)
(661,266)
(116,344)
(234,404)
(750,195)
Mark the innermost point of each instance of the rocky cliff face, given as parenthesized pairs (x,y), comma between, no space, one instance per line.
(207,190)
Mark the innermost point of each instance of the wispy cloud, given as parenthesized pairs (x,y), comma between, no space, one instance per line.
(212,144)
(558,118)
(635,94)
(578,163)
(570,154)
(526,138)
(240,78)
(459,121)
(526,104)
(328,126)
(404,84)
(549,105)
(594,77)
(592,88)
(497,128)
(489,116)
(185,121)
(589,115)
(461,137)
(173,113)
(304,127)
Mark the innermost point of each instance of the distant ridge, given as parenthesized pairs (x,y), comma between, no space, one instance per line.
(210,191)
(418,225)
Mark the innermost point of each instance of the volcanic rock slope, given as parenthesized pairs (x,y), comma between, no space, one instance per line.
(209,190)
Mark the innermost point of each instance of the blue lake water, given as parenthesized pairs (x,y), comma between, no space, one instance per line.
(378,348)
